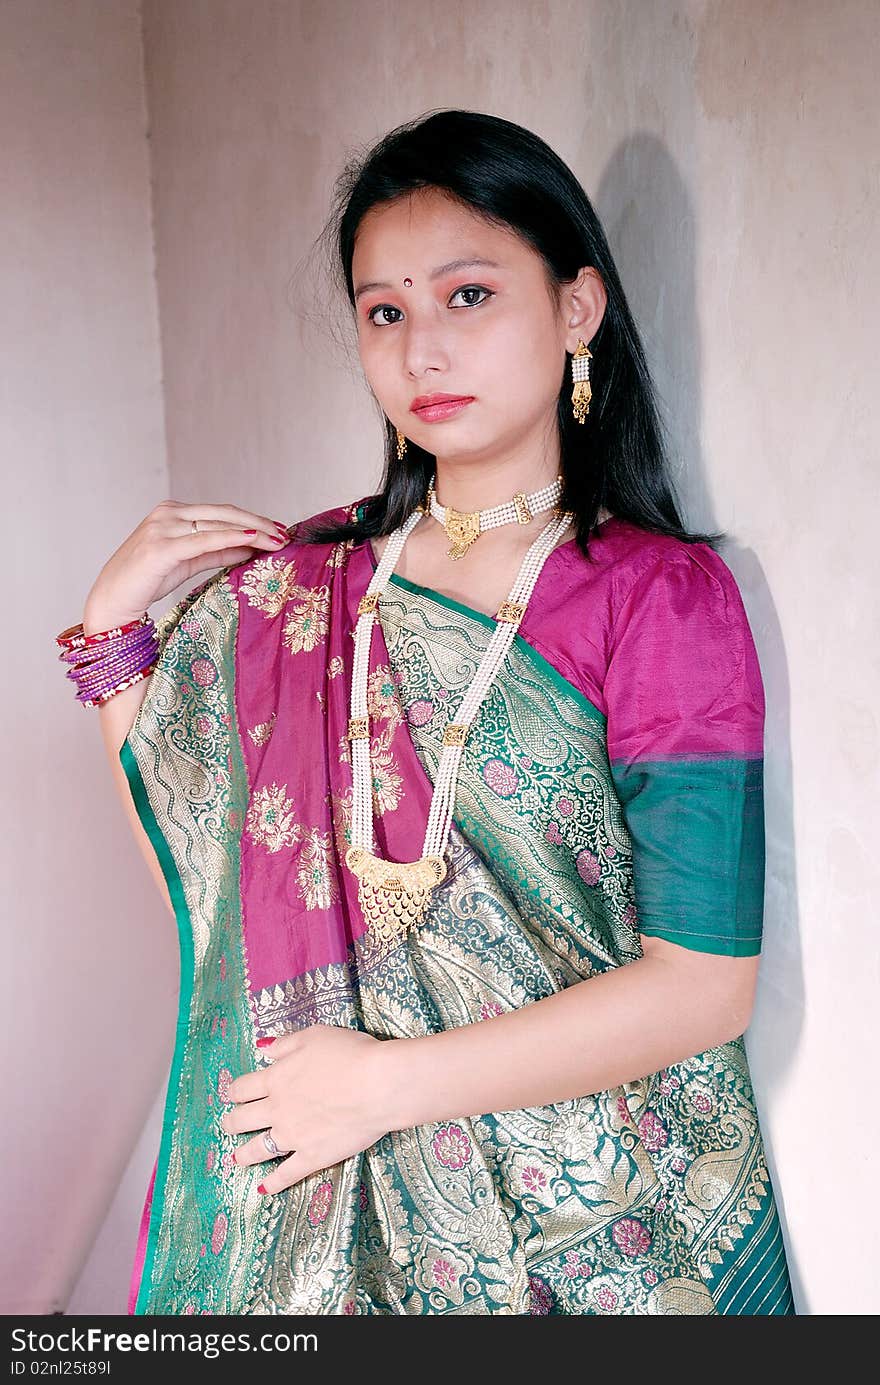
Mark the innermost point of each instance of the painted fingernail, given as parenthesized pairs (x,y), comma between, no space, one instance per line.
(264,1043)
(249,531)
(234,1159)
(279,538)
(261,1188)
(279,525)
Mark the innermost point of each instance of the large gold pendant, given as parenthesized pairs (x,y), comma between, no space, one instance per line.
(462,528)
(393,895)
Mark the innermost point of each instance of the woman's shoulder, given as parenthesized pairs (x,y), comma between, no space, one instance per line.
(637,592)
(347,513)
(628,564)
(624,555)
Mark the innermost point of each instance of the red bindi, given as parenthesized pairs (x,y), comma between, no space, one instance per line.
(407,283)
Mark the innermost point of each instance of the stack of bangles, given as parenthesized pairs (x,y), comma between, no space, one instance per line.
(109,660)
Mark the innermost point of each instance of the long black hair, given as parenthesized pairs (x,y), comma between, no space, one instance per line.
(509,175)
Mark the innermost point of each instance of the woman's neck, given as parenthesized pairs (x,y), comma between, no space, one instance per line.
(469,487)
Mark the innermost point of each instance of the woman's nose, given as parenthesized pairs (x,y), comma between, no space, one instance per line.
(425,348)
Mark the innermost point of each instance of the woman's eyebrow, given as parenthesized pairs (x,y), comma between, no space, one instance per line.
(437,273)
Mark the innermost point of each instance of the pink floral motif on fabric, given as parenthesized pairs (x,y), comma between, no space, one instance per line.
(218,1233)
(631,1236)
(204,672)
(653,1132)
(319,1204)
(534,1179)
(575,1266)
(444,1274)
(420,712)
(540,1295)
(501,778)
(452,1148)
(588,866)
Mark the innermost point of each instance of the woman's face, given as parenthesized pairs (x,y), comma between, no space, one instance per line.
(431,321)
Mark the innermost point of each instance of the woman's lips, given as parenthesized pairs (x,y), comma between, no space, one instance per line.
(443,408)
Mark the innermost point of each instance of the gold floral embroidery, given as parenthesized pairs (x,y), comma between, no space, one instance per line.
(341,805)
(383,699)
(338,556)
(270,820)
(269,583)
(316,881)
(262,732)
(387,783)
(306,625)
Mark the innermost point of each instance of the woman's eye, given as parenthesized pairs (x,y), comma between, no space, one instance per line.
(473,288)
(382,308)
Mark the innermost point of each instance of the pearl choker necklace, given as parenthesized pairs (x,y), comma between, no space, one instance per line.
(394,896)
(464,527)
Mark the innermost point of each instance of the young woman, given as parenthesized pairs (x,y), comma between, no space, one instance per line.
(456,795)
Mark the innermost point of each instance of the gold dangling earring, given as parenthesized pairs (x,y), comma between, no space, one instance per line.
(401,445)
(580,374)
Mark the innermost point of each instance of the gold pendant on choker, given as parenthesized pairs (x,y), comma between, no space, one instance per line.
(393,895)
(462,528)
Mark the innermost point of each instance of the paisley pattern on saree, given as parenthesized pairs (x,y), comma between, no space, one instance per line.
(651,1198)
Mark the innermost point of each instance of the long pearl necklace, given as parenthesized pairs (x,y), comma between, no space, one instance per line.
(394,895)
(464,527)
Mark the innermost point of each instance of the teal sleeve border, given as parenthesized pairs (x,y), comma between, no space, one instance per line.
(187,975)
(705,942)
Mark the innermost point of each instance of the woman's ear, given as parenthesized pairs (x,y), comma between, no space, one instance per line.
(583,305)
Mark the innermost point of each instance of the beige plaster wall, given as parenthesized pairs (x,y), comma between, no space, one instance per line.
(90,964)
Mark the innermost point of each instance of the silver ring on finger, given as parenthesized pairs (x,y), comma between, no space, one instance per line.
(195,526)
(272,1147)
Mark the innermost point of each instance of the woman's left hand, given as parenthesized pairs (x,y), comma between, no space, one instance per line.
(318,1096)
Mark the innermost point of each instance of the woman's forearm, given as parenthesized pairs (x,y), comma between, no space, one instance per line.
(611,1028)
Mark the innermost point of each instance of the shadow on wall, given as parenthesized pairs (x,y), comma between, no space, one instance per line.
(648,216)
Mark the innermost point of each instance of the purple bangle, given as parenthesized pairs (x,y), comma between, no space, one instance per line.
(106,662)
(105,668)
(114,683)
(113,669)
(85,659)
(108,680)
(100,699)
(83,666)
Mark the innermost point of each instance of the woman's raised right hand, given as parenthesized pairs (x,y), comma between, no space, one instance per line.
(162,552)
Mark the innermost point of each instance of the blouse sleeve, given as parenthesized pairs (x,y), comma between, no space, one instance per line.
(685,708)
